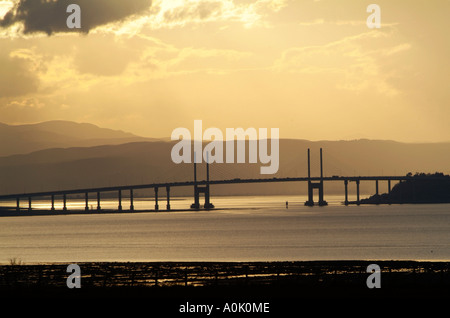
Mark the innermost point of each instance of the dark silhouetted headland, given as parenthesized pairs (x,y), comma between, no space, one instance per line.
(418,189)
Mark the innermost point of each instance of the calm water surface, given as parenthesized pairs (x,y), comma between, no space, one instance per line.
(247,229)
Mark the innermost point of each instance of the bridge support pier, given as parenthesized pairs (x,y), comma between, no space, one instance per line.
(29,203)
(310,201)
(208,204)
(322,202)
(346,191)
(168,198)
(357,192)
(18,204)
(64,202)
(205,190)
(131,200)
(98,202)
(53,202)
(86,201)
(156,199)
(196,204)
(120,201)
(376,191)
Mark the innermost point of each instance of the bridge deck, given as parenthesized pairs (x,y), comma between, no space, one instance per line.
(211,182)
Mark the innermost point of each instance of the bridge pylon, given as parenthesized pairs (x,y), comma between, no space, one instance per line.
(315,185)
(201,189)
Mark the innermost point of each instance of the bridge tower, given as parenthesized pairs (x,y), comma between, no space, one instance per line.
(315,185)
(201,189)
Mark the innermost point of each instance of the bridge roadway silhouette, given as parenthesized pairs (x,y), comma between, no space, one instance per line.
(203,186)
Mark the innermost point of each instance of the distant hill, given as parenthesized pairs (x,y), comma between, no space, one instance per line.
(22,139)
(148,162)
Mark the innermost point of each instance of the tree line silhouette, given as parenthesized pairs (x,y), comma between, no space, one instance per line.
(419,188)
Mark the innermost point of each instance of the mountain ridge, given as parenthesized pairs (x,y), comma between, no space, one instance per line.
(150,161)
(27,138)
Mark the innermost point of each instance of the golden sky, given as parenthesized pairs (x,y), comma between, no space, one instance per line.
(311,68)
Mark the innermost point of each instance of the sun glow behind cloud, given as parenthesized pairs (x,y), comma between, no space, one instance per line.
(5,6)
(191,13)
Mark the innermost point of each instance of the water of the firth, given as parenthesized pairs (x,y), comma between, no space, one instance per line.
(246,229)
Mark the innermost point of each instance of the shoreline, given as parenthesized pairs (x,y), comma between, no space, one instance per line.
(200,280)
(12,212)
(364,202)
(25,212)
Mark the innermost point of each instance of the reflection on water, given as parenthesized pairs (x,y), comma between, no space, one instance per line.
(246,229)
(177,203)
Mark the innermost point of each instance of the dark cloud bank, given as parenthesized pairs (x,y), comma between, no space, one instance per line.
(50,16)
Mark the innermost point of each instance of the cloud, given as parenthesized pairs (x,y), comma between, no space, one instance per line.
(199,11)
(160,60)
(17,76)
(171,14)
(355,62)
(321,21)
(50,16)
(33,17)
